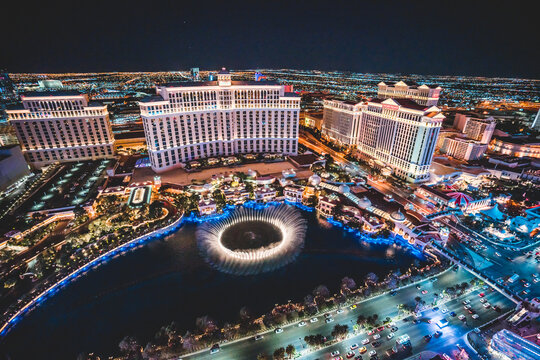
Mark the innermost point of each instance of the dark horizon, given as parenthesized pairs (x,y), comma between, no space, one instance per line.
(265,68)
(449,39)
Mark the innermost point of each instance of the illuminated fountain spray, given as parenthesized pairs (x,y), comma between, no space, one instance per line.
(285,220)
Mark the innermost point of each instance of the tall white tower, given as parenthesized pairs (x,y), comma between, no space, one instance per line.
(536,122)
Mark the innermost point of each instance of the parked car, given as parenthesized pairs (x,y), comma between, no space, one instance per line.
(214,349)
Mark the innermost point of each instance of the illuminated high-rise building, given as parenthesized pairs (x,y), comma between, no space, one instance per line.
(193,120)
(422,94)
(7,89)
(463,149)
(480,130)
(341,121)
(195,73)
(400,133)
(536,122)
(61,126)
(475,128)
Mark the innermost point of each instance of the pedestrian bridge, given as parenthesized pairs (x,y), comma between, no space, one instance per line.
(455,259)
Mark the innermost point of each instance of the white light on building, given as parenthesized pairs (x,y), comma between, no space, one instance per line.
(398,132)
(422,94)
(189,121)
(61,126)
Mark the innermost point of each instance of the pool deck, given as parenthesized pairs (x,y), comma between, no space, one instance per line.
(181,177)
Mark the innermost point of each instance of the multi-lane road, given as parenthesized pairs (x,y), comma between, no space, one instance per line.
(383,186)
(500,262)
(384,306)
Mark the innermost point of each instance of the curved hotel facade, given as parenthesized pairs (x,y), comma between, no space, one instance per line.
(60,126)
(398,132)
(189,121)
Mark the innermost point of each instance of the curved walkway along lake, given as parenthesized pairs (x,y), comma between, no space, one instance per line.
(165,280)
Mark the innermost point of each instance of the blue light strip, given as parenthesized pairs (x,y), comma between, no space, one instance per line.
(102,259)
(161,233)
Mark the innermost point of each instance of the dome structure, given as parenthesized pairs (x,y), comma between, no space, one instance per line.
(364,202)
(397,216)
(343,189)
(314,179)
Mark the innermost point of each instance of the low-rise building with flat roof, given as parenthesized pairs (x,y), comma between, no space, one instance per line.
(293,193)
(518,146)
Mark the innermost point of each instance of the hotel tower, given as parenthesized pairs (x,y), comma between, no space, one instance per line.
(61,126)
(192,120)
(398,132)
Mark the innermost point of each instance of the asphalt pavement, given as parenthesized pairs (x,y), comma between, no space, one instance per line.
(384,305)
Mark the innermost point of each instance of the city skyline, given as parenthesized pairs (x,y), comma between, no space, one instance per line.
(451,39)
(327,202)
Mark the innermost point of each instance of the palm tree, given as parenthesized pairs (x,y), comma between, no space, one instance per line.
(290,350)
(348,283)
(372,277)
(340,331)
(321,291)
(279,354)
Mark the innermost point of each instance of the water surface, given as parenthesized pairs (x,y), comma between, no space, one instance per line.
(167,280)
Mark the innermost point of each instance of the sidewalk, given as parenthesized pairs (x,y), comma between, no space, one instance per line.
(321,314)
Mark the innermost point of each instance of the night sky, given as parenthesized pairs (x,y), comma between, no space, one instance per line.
(435,37)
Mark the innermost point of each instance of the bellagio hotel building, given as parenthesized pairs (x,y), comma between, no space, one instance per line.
(61,126)
(188,121)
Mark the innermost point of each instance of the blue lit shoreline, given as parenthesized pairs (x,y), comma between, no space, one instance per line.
(174,227)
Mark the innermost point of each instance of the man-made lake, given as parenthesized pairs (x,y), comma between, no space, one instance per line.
(167,280)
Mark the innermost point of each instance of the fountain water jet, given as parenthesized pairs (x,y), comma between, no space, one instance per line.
(286,220)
